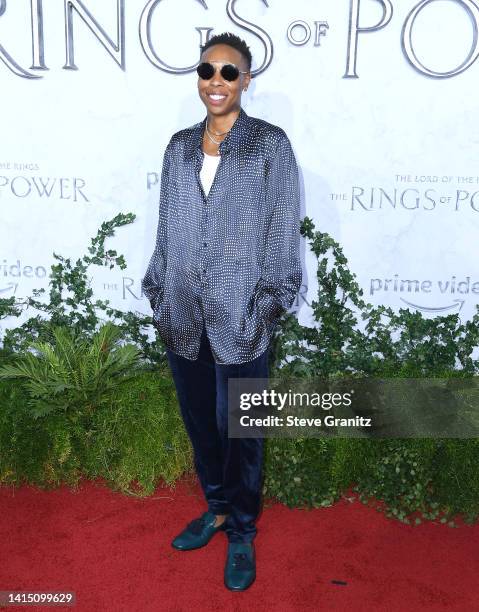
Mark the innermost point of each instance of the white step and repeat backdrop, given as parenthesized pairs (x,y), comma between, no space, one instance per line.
(378,97)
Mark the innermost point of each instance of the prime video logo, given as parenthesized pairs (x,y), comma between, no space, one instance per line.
(17,270)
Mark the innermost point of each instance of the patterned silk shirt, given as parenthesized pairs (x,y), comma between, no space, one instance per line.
(229,261)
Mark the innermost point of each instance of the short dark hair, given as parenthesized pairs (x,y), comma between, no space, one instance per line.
(227,38)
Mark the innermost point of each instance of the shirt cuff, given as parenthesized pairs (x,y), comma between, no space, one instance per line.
(268,307)
(155,300)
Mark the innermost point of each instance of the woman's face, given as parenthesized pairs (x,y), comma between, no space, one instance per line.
(230,91)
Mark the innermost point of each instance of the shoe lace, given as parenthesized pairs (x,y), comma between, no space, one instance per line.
(196,526)
(242,562)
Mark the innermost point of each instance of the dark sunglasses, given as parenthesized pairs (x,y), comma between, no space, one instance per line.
(229,72)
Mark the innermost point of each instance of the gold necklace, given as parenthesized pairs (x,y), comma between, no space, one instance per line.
(217,133)
(217,142)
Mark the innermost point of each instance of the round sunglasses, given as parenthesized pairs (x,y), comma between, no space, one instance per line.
(230,72)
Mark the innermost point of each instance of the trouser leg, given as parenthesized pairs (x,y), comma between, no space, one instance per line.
(242,457)
(195,383)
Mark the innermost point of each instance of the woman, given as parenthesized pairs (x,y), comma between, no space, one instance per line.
(225,266)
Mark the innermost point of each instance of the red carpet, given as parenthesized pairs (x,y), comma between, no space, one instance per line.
(114,552)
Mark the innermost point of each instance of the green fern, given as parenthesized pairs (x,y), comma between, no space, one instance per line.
(69,373)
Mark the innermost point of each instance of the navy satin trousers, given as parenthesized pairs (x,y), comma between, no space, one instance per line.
(230,470)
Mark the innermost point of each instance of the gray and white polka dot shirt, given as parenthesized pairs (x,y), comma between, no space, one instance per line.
(229,260)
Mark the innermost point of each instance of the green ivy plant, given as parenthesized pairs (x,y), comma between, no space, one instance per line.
(403,344)
(407,475)
(70,301)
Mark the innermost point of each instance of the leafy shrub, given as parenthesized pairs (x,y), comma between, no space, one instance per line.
(132,434)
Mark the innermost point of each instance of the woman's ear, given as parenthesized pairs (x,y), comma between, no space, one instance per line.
(247,81)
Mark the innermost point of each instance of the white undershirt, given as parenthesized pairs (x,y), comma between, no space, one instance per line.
(208,171)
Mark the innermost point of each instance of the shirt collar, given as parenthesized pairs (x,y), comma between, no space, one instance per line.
(232,140)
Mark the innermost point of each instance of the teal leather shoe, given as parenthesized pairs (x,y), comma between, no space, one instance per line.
(240,568)
(197,533)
